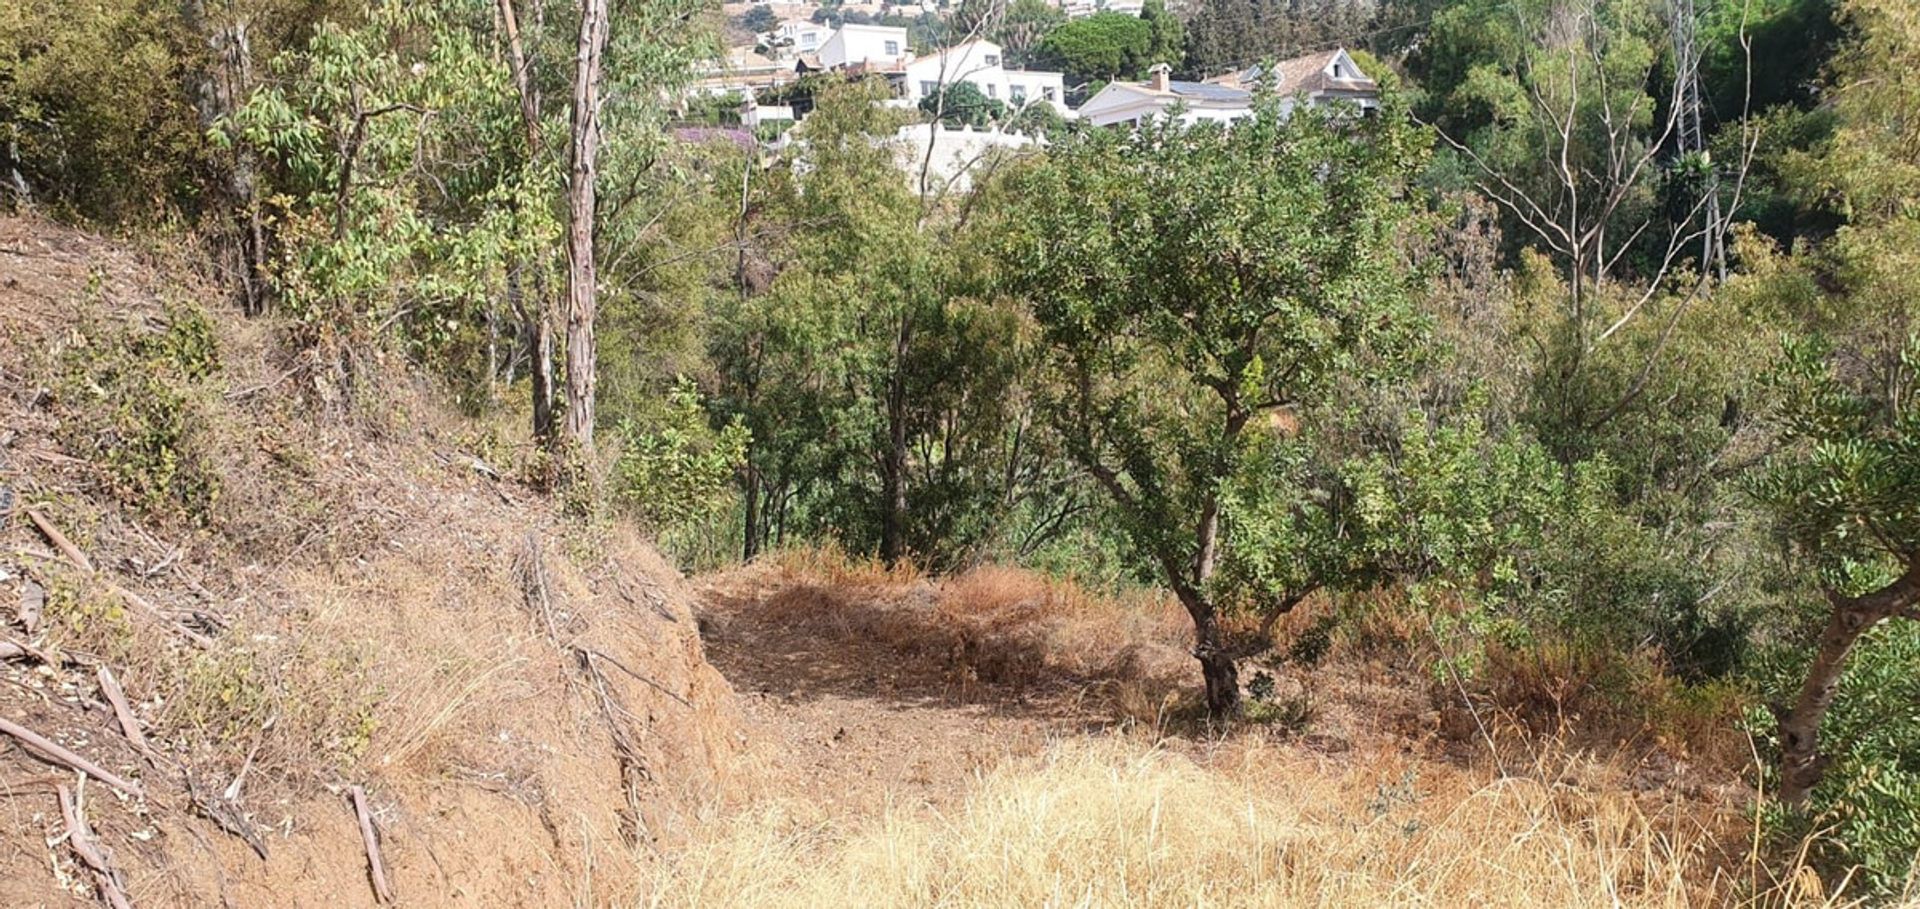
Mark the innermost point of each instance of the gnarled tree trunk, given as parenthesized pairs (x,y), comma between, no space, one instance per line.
(1802,766)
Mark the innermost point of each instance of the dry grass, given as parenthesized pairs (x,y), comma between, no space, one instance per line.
(995,625)
(1117,824)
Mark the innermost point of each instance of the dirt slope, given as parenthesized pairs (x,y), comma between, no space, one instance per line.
(310,576)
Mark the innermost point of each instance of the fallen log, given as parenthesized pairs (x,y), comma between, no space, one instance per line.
(55,753)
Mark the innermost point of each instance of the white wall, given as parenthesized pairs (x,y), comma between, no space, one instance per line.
(806,37)
(957,154)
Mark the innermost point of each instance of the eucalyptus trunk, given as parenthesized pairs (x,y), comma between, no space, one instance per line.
(581,200)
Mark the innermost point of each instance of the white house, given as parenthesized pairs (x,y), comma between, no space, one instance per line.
(1315,79)
(874,46)
(797,36)
(981,64)
(741,71)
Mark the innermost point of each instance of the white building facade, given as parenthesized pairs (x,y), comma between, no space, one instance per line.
(874,46)
(981,64)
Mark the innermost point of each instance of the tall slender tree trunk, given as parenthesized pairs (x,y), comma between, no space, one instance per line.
(750,545)
(219,87)
(534,315)
(540,331)
(893,479)
(1802,766)
(581,201)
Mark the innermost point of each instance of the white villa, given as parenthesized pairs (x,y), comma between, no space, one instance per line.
(797,36)
(1314,79)
(873,47)
(979,63)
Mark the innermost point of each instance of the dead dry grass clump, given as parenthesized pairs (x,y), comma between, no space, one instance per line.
(1119,824)
(994,625)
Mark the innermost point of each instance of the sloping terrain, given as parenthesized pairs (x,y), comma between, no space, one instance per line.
(309,574)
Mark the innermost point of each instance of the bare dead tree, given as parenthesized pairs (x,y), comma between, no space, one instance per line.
(1579,210)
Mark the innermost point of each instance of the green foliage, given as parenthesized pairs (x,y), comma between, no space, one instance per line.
(676,469)
(1181,336)
(378,224)
(1104,46)
(130,404)
(1167,37)
(93,117)
(962,104)
(1225,35)
(759,18)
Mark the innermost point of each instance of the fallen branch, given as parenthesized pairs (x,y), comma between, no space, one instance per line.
(80,561)
(11,649)
(227,814)
(587,656)
(92,854)
(58,754)
(122,710)
(140,602)
(60,541)
(371,837)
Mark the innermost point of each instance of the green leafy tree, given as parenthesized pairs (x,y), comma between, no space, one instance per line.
(1181,334)
(1167,38)
(1224,35)
(881,394)
(963,104)
(1844,481)
(759,18)
(1105,46)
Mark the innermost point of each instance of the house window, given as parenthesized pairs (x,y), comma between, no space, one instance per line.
(928,88)
(993,59)
(1046,91)
(1017,94)
(993,91)
(893,48)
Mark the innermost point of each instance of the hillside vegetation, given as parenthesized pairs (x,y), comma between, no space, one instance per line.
(449,456)
(304,585)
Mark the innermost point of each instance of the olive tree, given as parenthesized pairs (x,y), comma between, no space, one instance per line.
(1198,290)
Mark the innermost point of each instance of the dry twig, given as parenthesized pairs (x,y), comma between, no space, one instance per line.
(122,711)
(371,837)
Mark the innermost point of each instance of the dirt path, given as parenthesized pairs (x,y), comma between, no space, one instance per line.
(840,718)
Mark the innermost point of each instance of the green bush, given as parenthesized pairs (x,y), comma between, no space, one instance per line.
(675,469)
(128,405)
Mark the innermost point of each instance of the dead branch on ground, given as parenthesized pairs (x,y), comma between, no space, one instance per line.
(91,851)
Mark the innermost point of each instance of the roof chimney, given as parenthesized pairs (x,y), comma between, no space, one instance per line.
(1159,76)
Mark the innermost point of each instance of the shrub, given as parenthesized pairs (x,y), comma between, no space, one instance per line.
(675,468)
(128,405)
